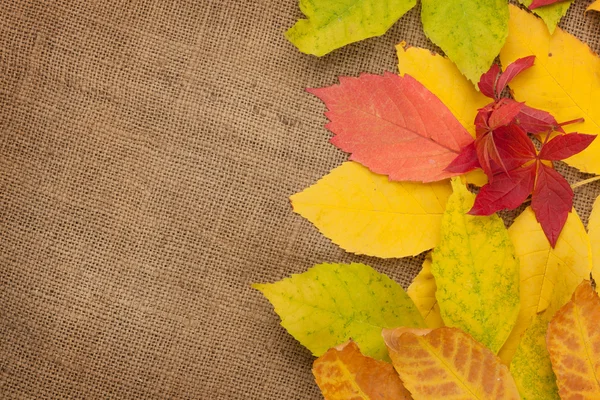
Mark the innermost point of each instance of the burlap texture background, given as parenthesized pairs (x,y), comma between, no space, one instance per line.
(147,152)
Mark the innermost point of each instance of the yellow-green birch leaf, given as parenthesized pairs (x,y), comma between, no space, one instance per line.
(471,33)
(476,272)
(422,292)
(365,213)
(332,303)
(563,81)
(551,14)
(594,234)
(332,24)
(543,266)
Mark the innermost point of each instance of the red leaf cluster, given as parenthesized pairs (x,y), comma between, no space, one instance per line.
(514,167)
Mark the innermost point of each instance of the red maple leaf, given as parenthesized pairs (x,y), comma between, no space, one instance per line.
(394,126)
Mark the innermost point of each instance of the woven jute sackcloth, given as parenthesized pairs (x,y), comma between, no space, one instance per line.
(147,153)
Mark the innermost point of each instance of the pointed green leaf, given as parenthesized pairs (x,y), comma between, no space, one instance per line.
(333,24)
(471,33)
(476,271)
(551,14)
(332,303)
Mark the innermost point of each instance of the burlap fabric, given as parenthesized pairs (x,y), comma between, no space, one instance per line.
(147,152)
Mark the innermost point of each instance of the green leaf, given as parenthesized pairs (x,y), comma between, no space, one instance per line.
(332,24)
(471,32)
(332,303)
(476,271)
(551,14)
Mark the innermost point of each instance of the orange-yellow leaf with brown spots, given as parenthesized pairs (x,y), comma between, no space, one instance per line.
(343,373)
(573,341)
(447,363)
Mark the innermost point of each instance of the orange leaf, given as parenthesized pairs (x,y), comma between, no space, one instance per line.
(573,341)
(447,363)
(343,373)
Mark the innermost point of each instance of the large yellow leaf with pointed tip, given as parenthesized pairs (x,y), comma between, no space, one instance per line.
(422,292)
(447,363)
(564,80)
(343,373)
(332,303)
(543,266)
(476,271)
(594,234)
(573,342)
(442,78)
(365,213)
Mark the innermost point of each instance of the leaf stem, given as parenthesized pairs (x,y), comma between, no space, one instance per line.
(585,182)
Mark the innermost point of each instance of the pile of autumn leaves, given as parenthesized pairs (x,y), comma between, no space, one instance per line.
(495,313)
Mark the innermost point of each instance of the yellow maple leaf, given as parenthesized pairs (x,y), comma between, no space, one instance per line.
(594,234)
(543,266)
(365,213)
(573,341)
(343,373)
(446,363)
(563,81)
(422,292)
(442,78)
(476,271)
(595,6)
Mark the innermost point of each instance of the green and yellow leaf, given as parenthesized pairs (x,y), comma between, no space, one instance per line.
(422,292)
(543,266)
(365,213)
(476,272)
(332,303)
(333,24)
(551,14)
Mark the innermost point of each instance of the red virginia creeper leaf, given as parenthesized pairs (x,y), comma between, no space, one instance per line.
(565,146)
(540,3)
(394,126)
(507,191)
(487,82)
(488,156)
(551,201)
(482,118)
(466,161)
(504,113)
(513,70)
(536,121)
(514,146)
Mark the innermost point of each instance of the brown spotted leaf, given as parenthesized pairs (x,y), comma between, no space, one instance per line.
(447,363)
(343,373)
(573,341)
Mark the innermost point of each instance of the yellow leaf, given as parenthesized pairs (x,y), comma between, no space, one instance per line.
(331,303)
(543,266)
(422,292)
(476,271)
(595,6)
(365,213)
(344,373)
(573,342)
(564,80)
(594,234)
(447,363)
(442,78)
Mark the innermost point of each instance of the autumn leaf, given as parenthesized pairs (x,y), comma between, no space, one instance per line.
(551,14)
(573,341)
(422,292)
(555,83)
(333,24)
(332,303)
(542,267)
(595,6)
(447,363)
(470,33)
(541,3)
(365,213)
(476,272)
(594,235)
(394,126)
(343,373)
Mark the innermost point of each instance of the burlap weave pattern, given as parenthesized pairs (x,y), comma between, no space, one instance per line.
(147,151)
